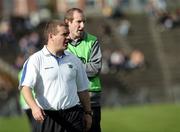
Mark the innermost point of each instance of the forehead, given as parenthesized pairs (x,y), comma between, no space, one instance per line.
(78,16)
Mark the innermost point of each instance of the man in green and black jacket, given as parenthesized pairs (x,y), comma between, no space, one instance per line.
(86,47)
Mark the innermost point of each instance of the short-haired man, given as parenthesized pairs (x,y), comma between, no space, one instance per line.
(59,83)
(86,47)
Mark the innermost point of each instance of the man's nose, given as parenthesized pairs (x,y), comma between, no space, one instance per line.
(82,24)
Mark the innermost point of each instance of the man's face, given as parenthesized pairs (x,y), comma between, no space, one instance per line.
(76,26)
(61,38)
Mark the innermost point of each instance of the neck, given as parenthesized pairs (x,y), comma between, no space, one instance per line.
(54,52)
(74,37)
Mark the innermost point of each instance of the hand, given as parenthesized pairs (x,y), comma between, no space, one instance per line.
(88,121)
(38,114)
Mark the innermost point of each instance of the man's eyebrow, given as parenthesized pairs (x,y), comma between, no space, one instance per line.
(66,33)
(81,20)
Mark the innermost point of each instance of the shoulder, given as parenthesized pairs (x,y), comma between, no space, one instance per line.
(35,58)
(72,57)
(91,37)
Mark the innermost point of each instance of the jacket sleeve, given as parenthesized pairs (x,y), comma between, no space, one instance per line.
(94,64)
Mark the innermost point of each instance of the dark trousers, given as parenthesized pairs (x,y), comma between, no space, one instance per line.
(96,119)
(70,120)
(31,120)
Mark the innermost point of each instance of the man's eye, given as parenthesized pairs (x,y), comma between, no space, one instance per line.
(81,21)
(65,34)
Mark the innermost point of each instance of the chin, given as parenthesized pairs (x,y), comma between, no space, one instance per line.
(79,35)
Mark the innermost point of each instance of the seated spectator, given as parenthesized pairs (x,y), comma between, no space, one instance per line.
(166,20)
(117,59)
(136,60)
(6,35)
(176,18)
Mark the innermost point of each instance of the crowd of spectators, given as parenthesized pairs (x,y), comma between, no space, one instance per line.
(19,33)
(117,60)
(165,18)
(21,39)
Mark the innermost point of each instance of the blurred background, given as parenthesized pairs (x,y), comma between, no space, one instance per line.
(139,41)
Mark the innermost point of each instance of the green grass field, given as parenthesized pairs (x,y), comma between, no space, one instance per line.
(149,118)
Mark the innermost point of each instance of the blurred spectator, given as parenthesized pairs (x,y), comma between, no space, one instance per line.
(136,60)
(117,11)
(124,27)
(166,20)
(23,44)
(176,18)
(107,11)
(20,26)
(29,43)
(6,35)
(160,5)
(4,27)
(19,61)
(169,20)
(156,7)
(117,60)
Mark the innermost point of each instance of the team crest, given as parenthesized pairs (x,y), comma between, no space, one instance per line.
(70,66)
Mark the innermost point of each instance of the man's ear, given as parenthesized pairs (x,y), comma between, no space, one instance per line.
(50,35)
(66,21)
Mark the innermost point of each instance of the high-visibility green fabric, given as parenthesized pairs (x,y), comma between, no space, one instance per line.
(83,51)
